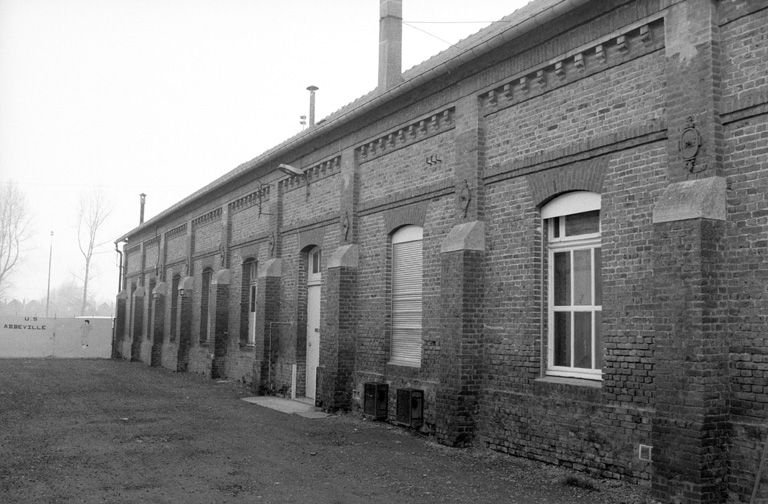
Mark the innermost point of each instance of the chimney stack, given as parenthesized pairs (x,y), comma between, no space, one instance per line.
(142,200)
(312,90)
(390,43)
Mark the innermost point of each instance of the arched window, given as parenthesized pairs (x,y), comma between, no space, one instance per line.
(406,296)
(248,303)
(205,311)
(174,305)
(151,300)
(575,285)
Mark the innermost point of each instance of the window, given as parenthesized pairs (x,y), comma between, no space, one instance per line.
(252,291)
(151,299)
(174,305)
(575,285)
(205,315)
(406,296)
(314,263)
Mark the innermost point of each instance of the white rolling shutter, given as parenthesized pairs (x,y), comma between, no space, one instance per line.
(406,296)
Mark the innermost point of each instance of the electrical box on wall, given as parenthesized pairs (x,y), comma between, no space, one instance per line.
(410,407)
(375,400)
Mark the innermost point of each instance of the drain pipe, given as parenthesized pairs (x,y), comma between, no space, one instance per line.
(119,269)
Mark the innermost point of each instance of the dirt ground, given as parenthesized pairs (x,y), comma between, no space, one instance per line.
(96,431)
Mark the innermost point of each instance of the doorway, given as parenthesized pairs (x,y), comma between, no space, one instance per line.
(314,282)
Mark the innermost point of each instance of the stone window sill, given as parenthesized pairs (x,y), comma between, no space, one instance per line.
(572,388)
(247,347)
(403,369)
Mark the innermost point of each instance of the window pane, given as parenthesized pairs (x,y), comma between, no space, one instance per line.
(582,277)
(253,298)
(562,350)
(598,278)
(562,278)
(582,340)
(598,341)
(582,223)
(556,227)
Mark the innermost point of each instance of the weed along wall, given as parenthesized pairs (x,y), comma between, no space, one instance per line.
(54,337)
(547,241)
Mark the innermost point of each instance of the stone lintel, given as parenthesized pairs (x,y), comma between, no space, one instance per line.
(345,256)
(270,268)
(691,199)
(465,236)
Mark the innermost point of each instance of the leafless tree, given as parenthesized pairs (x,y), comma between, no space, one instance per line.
(93,211)
(14,228)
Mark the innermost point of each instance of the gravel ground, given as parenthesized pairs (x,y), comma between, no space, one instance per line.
(94,431)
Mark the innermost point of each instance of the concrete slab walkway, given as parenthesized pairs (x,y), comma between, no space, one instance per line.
(290,406)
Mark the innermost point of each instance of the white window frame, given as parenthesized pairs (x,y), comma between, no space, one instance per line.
(314,266)
(406,330)
(564,205)
(205,305)
(252,298)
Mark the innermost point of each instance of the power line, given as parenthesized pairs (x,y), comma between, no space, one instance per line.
(428,33)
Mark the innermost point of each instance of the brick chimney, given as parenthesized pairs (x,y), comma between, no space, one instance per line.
(390,43)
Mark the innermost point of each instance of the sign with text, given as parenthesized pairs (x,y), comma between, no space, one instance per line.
(55,337)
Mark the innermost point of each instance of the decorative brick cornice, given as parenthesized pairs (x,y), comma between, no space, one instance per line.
(177,231)
(432,125)
(208,218)
(257,197)
(313,173)
(620,47)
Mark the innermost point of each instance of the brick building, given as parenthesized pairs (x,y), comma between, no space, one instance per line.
(555,231)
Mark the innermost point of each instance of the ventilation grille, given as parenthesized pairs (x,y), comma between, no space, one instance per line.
(375,399)
(410,407)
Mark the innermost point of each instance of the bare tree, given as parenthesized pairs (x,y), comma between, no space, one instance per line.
(92,213)
(14,228)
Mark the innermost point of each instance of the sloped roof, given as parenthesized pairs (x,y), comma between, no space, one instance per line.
(522,20)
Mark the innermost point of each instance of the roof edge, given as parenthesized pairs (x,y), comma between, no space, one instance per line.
(378,98)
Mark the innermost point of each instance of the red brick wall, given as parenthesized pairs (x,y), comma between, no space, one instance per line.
(612,127)
(625,96)
(745,53)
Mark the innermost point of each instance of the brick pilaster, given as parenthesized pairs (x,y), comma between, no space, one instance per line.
(220,327)
(470,158)
(267,320)
(690,428)
(158,324)
(120,326)
(185,323)
(460,358)
(138,323)
(693,86)
(338,327)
